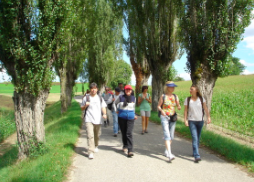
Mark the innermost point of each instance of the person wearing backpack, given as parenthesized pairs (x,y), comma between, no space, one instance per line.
(194,108)
(94,106)
(167,109)
(108,99)
(145,109)
(126,117)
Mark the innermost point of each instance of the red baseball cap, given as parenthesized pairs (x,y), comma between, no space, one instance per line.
(127,87)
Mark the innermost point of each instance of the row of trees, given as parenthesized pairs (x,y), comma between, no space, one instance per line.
(208,31)
(37,37)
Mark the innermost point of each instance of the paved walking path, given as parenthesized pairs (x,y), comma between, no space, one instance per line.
(148,163)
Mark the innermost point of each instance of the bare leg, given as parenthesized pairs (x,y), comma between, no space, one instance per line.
(143,124)
(146,123)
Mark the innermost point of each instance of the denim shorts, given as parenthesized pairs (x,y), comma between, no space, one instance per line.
(145,113)
(168,128)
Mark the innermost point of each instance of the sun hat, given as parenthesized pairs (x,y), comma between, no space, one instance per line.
(170,84)
(127,87)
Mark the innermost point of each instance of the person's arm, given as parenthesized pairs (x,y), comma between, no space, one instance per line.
(140,99)
(104,112)
(207,113)
(109,101)
(159,106)
(178,103)
(84,104)
(149,99)
(185,115)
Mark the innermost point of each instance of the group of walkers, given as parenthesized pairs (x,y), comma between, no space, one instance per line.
(121,105)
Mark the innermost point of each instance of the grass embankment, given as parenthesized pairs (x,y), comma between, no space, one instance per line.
(61,135)
(7,120)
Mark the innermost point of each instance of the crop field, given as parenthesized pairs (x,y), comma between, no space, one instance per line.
(232,102)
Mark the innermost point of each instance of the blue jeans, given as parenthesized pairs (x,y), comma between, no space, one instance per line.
(195,129)
(168,128)
(115,122)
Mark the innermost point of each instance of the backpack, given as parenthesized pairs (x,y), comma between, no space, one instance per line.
(88,100)
(188,103)
(163,98)
(110,105)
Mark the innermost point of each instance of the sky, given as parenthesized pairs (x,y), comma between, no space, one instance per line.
(244,51)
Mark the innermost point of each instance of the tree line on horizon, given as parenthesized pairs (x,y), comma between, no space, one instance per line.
(84,38)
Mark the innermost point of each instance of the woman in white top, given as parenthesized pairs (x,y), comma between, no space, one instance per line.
(194,108)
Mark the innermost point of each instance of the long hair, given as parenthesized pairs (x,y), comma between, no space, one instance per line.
(197,89)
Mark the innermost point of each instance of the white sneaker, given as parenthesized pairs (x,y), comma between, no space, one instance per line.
(96,150)
(172,157)
(166,153)
(90,156)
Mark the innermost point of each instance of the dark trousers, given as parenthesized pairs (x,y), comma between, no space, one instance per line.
(126,127)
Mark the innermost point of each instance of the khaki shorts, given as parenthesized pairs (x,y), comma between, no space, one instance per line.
(145,113)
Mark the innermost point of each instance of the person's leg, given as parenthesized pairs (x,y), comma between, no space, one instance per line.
(123,126)
(147,120)
(199,126)
(142,113)
(108,115)
(90,137)
(194,135)
(130,125)
(97,134)
(166,133)
(115,122)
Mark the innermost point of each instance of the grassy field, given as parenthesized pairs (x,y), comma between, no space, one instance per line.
(232,102)
(62,132)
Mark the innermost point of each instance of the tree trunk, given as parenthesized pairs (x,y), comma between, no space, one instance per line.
(158,89)
(29,117)
(205,81)
(63,96)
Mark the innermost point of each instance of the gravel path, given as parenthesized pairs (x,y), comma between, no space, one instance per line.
(148,163)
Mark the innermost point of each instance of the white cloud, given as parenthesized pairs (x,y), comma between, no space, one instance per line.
(250,42)
(246,64)
(133,79)
(4,77)
(246,72)
(249,31)
(185,76)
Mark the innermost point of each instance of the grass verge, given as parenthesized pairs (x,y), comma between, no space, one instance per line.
(7,123)
(62,132)
(226,147)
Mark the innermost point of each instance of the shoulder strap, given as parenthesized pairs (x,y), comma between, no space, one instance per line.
(87,98)
(175,97)
(163,99)
(188,103)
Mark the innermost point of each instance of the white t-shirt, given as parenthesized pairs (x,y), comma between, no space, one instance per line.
(93,112)
(195,109)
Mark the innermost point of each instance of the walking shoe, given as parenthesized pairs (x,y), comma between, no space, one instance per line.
(142,133)
(197,159)
(130,154)
(119,132)
(146,131)
(105,124)
(90,156)
(172,157)
(125,150)
(166,153)
(96,150)
(115,135)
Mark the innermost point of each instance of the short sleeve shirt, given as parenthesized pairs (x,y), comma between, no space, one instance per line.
(93,112)
(145,106)
(195,112)
(169,105)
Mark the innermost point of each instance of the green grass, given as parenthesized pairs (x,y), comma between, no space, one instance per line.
(8,88)
(228,148)
(7,123)
(232,102)
(62,132)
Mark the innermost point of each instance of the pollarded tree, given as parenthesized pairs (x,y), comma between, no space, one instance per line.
(157,36)
(27,41)
(104,40)
(71,50)
(211,31)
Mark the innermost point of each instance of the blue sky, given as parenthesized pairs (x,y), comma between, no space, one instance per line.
(244,51)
